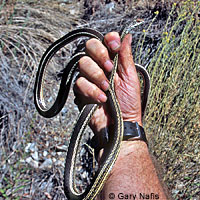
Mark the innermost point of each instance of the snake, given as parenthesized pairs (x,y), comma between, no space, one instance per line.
(111,150)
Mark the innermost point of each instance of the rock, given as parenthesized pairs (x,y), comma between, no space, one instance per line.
(59,153)
(53,153)
(22,161)
(72,12)
(4,167)
(65,1)
(84,175)
(33,147)
(110,7)
(175,191)
(8,192)
(179,185)
(48,195)
(32,162)
(56,138)
(50,99)
(62,148)
(47,164)
(35,155)
(45,153)
(27,148)
(47,143)
(54,160)
(60,163)
(62,159)
(64,110)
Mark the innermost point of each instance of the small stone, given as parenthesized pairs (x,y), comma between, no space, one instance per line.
(60,163)
(56,138)
(32,162)
(84,175)
(65,1)
(47,164)
(8,192)
(47,143)
(35,155)
(27,148)
(61,148)
(45,153)
(175,191)
(179,186)
(64,111)
(72,12)
(59,153)
(33,147)
(76,108)
(53,153)
(22,161)
(50,99)
(4,167)
(62,159)
(110,7)
(48,195)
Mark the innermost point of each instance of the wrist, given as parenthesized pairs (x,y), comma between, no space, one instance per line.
(133,120)
(128,147)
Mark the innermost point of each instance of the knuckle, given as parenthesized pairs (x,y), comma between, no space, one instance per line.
(79,82)
(98,74)
(84,61)
(91,42)
(93,92)
(89,90)
(102,53)
(111,35)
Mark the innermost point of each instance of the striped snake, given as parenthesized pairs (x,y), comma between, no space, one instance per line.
(111,151)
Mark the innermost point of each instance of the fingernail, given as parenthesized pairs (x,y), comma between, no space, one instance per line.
(108,65)
(102,98)
(105,85)
(114,45)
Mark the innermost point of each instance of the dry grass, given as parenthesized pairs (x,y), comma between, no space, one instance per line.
(171,55)
(174,104)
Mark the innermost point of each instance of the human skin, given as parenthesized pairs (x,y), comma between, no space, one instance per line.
(134,172)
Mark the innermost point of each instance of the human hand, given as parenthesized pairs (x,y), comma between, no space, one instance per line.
(92,83)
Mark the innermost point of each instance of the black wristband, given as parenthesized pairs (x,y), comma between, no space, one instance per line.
(133,131)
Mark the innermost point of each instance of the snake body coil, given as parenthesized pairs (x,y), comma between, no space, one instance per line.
(111,151)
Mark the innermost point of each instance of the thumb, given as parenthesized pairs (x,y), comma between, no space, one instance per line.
(126,63)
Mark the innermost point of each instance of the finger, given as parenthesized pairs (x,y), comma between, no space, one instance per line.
(99,53)
(113,41)
(91,71)
(125,55)
(90,91)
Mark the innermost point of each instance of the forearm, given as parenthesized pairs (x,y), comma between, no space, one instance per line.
(133,174)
